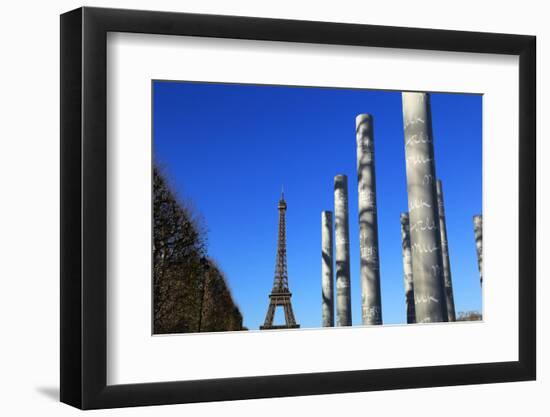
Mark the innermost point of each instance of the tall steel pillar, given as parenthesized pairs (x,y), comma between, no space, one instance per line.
(327,274)
(449,297)
(371,305)
(343,290)
(429,292)
(478,234)
(407,268)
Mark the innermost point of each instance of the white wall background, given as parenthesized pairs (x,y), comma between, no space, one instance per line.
(29,209)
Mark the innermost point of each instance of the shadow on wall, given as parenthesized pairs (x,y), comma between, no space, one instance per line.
(49,392)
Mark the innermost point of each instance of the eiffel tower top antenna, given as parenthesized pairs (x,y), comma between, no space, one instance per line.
(282,206)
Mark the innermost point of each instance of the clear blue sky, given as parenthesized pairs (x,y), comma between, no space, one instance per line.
(228,148)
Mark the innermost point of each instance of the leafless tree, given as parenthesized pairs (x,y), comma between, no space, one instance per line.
(469,316)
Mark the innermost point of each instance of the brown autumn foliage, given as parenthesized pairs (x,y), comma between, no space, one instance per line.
(190,293)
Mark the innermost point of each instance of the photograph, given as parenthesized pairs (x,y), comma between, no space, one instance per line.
(296,207)
(354,194)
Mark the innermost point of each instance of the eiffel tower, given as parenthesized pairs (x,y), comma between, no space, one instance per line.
(280,294)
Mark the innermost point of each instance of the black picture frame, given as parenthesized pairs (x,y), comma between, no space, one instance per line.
(84,207)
